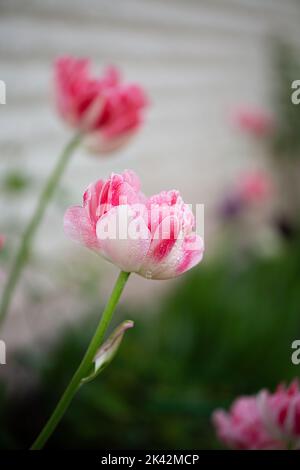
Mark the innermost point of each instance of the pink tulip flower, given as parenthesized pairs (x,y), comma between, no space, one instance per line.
(254,187)
(2,241)
(281,413)
(264,421)
(108,111)
(254,121)
(242,427)
(153,237)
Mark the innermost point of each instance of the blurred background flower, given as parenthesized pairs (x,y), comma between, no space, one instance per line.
(254,121)
(226,329)
(243,428)
(103,108)
(264,421)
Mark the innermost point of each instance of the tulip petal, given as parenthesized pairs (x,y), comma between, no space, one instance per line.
(124,238)
(191,253)
(168,258)
(78,227)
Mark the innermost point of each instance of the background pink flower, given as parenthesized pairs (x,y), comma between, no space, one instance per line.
(158,242)
(264,421)
(255,121)
(106,109)
(254,186)
(2,241)
(242,427)
(281,413)
(251,188)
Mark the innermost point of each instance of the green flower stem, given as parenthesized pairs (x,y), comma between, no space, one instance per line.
(84,366)
(25,247)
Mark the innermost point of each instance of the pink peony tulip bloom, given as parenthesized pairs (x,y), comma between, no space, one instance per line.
(242,427)
(281,413)
(152,237)
(107,111)
(255,121)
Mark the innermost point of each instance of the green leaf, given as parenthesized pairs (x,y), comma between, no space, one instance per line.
(108,350)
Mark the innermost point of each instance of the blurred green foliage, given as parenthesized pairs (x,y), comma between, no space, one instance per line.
(286,141)
(225,329)
(15,182)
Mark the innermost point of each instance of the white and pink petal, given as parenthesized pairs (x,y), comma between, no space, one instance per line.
(124,238)
(78,227)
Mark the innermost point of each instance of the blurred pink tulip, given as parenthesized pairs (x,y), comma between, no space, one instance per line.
(255,121)
(242,427)
(254,187)
(107,111)
(264,421)
(281,413)
(153,236)
(2,241)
